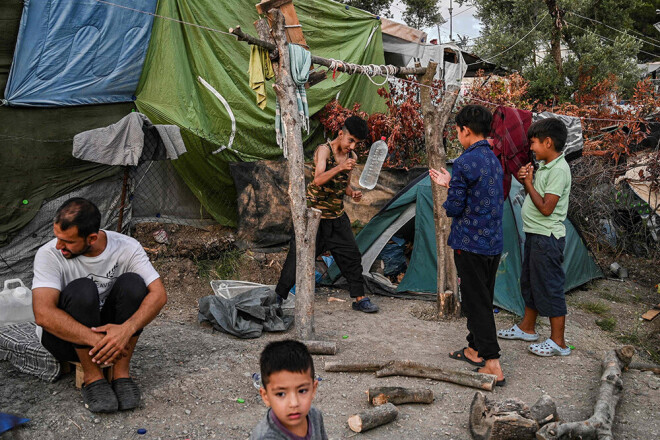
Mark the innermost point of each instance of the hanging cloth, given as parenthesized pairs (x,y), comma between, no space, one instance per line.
(260,70)
(300,60)
(510,144)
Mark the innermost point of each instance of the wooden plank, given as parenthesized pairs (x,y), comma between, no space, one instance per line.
(652,314)
(265,5)
(293,29)
(293,34)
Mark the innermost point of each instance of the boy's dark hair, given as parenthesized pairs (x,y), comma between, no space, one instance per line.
(476,117)
(287,355)
(356,126)
(81,213)
(552,128)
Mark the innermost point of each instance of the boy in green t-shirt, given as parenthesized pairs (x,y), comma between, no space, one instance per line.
(543,212)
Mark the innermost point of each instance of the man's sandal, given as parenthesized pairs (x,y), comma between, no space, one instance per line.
(459,355)
(498,383)
(549,348)
(515,333)
(99,397)
(128,393)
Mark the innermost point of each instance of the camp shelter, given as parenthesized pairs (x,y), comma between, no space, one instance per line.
(415,204)
(102,71)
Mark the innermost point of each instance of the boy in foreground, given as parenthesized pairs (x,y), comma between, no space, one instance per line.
(288,388)
(333,162)
(474,201)
(543,213)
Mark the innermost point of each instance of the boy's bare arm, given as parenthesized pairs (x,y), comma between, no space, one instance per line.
(321,176)
(545,204)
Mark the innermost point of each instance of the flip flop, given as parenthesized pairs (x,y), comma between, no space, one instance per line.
(498,383)
(549,348)
(459,355)
(99,397)
(515,333)
(128,393)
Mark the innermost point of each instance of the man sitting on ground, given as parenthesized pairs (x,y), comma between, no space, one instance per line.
(93,293)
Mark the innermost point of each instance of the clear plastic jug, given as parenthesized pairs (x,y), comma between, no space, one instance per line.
(371,171)
(15,303)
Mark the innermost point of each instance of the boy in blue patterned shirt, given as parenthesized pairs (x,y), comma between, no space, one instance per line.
(474,201)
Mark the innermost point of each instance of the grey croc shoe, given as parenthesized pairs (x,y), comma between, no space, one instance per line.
(364,305)
(515,333)
(128,393)
(549,348)
(99,397)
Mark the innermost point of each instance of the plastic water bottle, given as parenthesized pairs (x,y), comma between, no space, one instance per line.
(15,303)
(377,155)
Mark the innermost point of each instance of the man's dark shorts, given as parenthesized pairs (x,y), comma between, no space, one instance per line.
(542,278)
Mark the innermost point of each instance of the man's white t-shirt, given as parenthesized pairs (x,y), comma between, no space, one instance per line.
(122,254)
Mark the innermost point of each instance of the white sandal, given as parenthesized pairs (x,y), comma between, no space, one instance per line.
(549,348)
(515,333)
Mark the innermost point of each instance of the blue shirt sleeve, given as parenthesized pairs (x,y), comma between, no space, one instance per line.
(457,193)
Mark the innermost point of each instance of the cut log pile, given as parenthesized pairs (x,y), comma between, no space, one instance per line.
(511,419)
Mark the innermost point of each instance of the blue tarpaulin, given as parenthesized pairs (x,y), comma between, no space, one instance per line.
(79,52)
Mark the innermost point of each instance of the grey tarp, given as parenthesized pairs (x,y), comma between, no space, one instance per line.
(575,141)
(246,315)
(123,142)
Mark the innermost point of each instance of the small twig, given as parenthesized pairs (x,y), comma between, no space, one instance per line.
(77,425)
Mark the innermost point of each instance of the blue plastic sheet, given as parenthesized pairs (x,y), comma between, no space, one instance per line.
(9,421)
(79,52)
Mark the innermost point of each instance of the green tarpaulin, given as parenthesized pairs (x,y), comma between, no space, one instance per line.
(421,275)
(170,91)
(35,144)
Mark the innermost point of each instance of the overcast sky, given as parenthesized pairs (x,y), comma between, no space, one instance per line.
(464,22)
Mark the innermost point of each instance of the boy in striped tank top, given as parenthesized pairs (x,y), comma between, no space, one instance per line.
(333,162)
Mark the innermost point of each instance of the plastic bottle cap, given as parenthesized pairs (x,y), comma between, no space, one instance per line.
(345,336)
(382,138)
(141,431)
(239,400)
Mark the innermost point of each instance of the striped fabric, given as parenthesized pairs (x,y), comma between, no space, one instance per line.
(20,346)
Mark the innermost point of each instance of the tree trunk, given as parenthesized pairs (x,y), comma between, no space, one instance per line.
(397,395)
(481,381)
(598,426)
(435,119)
(305,221)
(373,417)
(555,37)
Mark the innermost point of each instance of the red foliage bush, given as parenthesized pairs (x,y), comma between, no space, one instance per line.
(402,125)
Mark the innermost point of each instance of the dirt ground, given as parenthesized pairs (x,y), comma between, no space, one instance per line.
(192,376)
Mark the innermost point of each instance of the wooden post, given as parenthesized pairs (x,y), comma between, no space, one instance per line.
(305,221)
(122,203)
(435,120)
